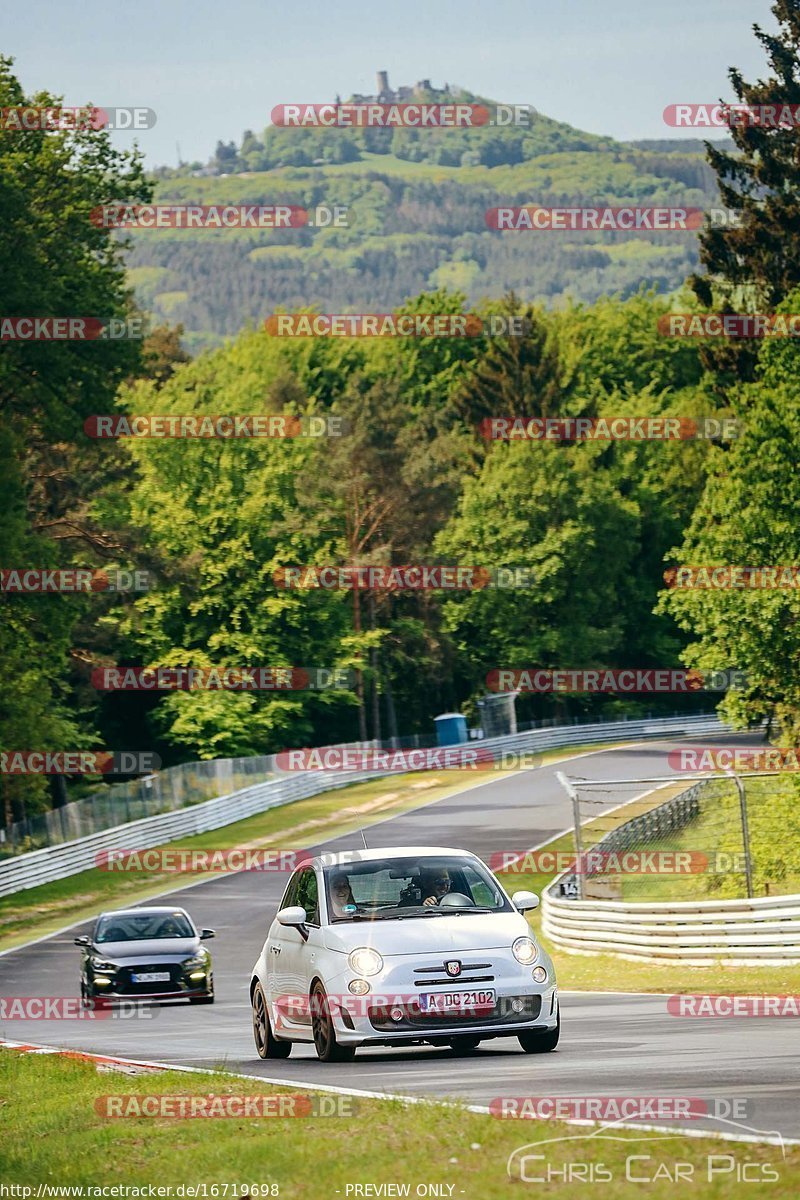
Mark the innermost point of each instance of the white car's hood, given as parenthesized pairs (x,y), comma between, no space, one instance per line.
(430,935)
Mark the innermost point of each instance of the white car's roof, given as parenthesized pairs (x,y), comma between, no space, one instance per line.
(334,858)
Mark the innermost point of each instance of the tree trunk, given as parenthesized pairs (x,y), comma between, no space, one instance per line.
(391,715)
(58,790)
(8,814)
(374,663)
(362,714)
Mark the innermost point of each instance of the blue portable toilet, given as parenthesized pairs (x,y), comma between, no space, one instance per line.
(451,729)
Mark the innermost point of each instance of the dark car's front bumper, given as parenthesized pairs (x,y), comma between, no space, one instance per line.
(122,986)
(107,995)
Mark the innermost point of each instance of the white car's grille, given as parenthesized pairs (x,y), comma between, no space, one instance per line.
(468,973)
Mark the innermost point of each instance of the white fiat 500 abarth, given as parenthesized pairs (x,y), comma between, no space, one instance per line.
(398,947)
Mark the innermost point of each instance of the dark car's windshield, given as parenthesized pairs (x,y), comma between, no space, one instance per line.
(401,888)
(133,927)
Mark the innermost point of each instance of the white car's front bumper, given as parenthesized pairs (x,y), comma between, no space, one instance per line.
(389,1014)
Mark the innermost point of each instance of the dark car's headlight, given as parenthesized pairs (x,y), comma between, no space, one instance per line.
(192,964)
(100,964)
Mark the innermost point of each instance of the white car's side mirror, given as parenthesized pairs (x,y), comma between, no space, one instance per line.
(294,916)
(522,901)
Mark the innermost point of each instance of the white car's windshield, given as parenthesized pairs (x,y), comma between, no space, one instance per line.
(402,888)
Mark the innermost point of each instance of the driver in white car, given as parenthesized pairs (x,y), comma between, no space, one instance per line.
(342,901)
(435,883)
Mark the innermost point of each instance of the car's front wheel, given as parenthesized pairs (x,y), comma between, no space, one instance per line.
(539,1042)
(266,1043)
(325,1043)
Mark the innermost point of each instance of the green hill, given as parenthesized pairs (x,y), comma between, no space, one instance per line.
(416,203)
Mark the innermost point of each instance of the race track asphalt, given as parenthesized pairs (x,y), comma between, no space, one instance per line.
(612,1044)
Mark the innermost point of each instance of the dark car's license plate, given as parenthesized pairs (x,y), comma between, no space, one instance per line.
(151,977)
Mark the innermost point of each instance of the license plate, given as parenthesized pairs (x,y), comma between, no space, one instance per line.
(151,977)
(456,1002)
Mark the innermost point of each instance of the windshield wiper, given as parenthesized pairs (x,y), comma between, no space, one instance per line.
(420,910)
(407,911)
(423,912)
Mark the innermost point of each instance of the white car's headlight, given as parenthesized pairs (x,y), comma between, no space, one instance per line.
(365,961)
(525,951)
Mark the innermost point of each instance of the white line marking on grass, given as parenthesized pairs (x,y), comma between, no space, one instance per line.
(481,1109)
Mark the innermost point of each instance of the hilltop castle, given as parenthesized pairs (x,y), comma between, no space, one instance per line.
(386,95)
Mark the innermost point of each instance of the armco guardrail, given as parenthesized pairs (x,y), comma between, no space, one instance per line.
(698,933)
(56,862)
(740,932)
(120,803)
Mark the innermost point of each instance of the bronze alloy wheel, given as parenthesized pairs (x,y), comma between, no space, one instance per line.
(266,1044)
(325,1043)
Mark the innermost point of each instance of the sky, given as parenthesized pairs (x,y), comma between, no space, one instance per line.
(212,68)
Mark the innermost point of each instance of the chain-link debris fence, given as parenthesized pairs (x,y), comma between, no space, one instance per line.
(721,837)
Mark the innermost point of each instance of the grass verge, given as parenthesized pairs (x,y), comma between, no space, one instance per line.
(52,1134)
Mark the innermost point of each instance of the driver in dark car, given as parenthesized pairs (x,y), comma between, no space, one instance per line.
(168,929)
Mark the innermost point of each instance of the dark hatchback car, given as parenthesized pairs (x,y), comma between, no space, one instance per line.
(152,953)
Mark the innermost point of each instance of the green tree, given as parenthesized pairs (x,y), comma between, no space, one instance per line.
(516,375)
(759,181)
(747,516)
(54,262)
(545,508)
(215,511)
